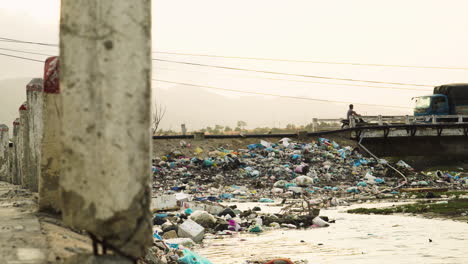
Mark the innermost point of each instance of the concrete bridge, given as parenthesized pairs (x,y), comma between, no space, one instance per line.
(401,136)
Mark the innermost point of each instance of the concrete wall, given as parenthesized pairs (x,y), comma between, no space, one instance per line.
(50,147)
(454,147)
(4,160)
(34,93)
(105,82)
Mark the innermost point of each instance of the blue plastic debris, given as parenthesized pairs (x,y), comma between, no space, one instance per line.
(191,257)
(362,184)
(266,200)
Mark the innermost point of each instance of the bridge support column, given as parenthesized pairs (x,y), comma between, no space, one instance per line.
(4,149)
(50,145)
(105,82)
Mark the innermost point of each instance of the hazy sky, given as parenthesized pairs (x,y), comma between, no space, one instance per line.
(401,32)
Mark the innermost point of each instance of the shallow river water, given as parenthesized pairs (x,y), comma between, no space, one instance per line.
(352,239)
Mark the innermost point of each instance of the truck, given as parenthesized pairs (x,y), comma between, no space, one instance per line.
(447,99)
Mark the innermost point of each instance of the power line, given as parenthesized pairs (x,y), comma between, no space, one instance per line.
(28,52)
(289,74)
(27,42)
(18,57)
(265,59)
(277,95)
(309,61)
(304,81)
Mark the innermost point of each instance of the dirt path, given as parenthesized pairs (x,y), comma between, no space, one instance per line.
(28,237)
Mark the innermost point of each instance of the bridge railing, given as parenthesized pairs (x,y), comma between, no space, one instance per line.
(333,124)
(320,124)
(407,119)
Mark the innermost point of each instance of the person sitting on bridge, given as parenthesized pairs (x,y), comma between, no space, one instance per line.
(351,112)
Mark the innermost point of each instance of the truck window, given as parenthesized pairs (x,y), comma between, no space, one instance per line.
(422,102)
(438,103)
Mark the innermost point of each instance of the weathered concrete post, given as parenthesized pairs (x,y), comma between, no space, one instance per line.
(23,154)
(15,167)
(34,94)
(11,159)
(4,148)
(105,81)
(50,146)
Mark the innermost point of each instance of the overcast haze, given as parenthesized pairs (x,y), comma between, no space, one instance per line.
(400,32)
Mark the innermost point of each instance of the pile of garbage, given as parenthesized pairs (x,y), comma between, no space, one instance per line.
(194,195)
(271,169)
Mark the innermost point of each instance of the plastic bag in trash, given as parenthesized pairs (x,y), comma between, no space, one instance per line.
(191,257)
(403,164)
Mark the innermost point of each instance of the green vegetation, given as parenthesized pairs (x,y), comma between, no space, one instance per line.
(453,208)
(449,194)
(240,128)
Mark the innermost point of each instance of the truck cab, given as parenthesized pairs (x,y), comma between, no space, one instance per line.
(434,104)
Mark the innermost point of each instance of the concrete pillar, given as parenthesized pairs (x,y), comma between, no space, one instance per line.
(34,94)
(11,164)
(105,82)
(15,167)
(50,145)
(23,154)
(184,129)
(4,147)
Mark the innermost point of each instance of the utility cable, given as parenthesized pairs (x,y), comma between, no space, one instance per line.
(304,81)
(27,42)
(289,74)
(28,52)
(309,61)
(264,59)
(18,57)
(277,95)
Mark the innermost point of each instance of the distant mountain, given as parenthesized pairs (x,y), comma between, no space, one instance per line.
(12,95)
(199,108)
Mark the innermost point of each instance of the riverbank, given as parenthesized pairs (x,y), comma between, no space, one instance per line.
(453,209)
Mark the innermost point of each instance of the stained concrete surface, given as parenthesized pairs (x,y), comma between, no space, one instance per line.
(28,237)
(21,239)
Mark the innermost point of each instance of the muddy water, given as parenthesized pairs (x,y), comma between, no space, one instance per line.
(352,239)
